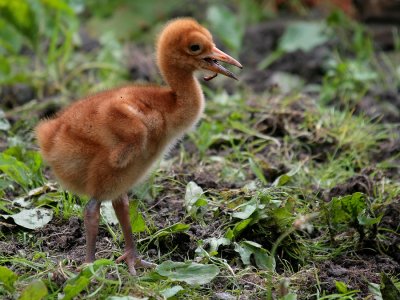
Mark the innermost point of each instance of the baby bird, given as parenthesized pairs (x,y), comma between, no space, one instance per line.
(105,144)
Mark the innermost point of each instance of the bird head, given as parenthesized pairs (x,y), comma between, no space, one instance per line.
(186,45)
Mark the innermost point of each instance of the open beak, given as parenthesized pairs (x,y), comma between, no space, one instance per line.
(212,64)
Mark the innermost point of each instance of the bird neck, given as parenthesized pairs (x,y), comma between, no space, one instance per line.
(189,97)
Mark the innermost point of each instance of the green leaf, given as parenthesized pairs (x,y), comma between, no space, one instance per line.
(77,284)
(246,212)
(226,25)
(178,227)
(216,242)
(261,256)
(354,204)
(257,171)
(138,223)
(108,213)
(303,36)
(348,209)
(32,218)
(7,278)
(19,14)
(341,287)
(190,272)
(281,180)
(125,298)
(194,199)
(193,193)
(34,161)
(15,169)
(172,291)
(367,221)
(10,40)
(36,290)
(388,289)
(289,297)
(4,124)
(73,289)
(229,234)
(244,252)
(283,217)
(58,5)
(375,290)
(263,260)
(239,227)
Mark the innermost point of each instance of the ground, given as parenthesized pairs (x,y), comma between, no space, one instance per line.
(297,168)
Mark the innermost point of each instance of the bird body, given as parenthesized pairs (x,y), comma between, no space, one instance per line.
(104,144)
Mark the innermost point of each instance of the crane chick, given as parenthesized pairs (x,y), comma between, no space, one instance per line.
(105,144)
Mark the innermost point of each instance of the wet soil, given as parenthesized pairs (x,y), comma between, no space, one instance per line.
(355,270)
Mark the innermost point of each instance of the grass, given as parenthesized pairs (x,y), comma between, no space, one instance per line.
(267,195)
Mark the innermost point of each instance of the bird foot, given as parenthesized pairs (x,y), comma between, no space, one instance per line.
(134,262)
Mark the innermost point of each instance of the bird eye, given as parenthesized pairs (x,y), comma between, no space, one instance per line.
(194,47)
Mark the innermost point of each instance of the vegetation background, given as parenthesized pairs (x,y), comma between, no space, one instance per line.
(288,189)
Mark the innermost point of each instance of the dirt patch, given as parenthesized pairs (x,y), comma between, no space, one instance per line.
(62,237)
(357,183)
(169,210)
(390,225)
(384,106)
(15,95)
(261,40)
(356,271)
(388,241)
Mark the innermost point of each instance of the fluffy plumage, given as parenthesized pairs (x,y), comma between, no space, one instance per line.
(103,145)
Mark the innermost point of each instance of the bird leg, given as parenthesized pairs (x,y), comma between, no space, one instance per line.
(91,219)
(131,256)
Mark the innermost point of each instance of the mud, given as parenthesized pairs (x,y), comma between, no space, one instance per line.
(355,270)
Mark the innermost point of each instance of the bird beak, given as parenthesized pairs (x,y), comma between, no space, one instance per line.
(212,64)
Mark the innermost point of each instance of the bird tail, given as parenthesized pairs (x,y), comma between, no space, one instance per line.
(45,133)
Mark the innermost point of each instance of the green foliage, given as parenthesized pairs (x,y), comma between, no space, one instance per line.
(28,23)
(267,205)
(207,134)
(388,290)
(195,201)
(128,19)
(36,290)
(21,16)
(262,258)
(298,36)
(189,272)
(226,25)
(347,79)
(22,166)
(350,210)
(172,291)
(353,35)
(138,223)
(7,278)
(32,218)
(80,282)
